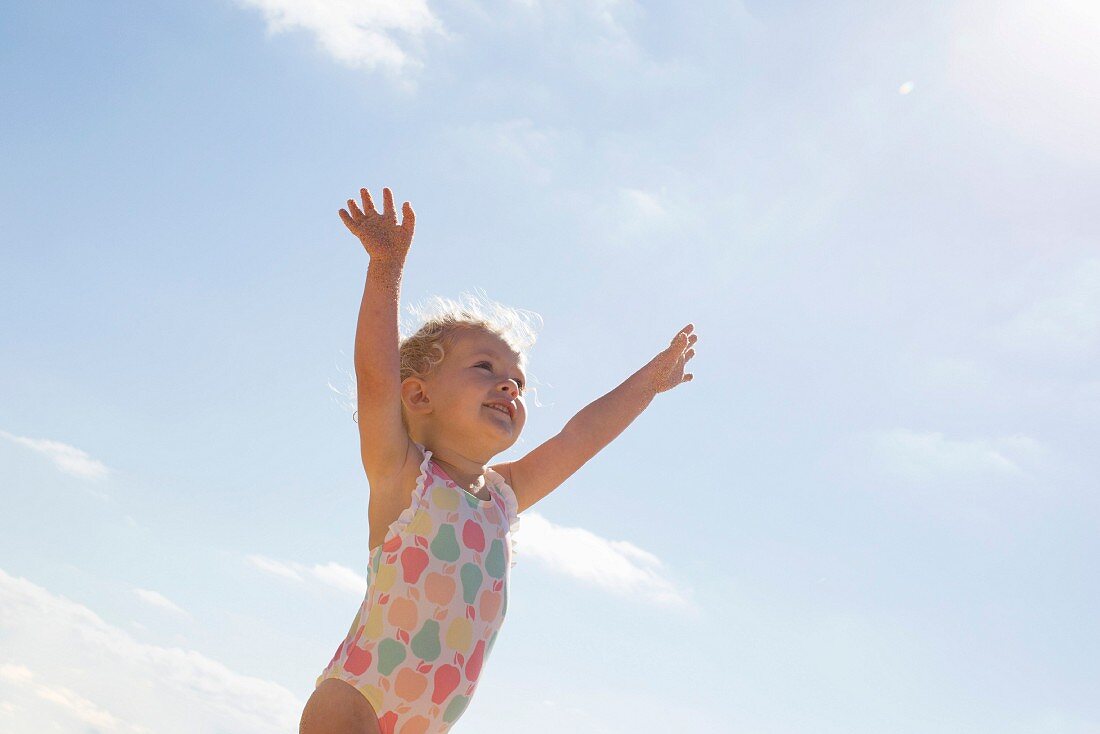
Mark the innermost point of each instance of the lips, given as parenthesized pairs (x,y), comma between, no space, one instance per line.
(507,409)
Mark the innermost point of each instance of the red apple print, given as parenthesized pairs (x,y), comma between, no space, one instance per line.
(423,667)
(446,680)
(358,660)
(473,668)
(392,544)
(413,563)
(473,537)
(388,723)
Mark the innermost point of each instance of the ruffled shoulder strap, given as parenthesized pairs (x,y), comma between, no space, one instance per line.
(511,507)
(417,497)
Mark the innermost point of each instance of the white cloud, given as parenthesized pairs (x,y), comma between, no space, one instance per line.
(930,456)
(595,37)
(358,33)
(340,577)
(638,218)
(70,703)
(617,566)
(156,599)
(642,204)
(59,655)
(330,574)
(518,145)
(1033,68)
(276,568)
(1064,321)
(66,458)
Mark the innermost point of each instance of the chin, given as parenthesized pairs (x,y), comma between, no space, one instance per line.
(507,443)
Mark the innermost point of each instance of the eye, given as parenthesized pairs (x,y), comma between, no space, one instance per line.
(518,381)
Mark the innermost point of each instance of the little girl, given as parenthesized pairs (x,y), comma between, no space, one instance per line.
(434,409)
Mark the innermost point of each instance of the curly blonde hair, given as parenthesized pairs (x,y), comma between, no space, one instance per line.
(442,321)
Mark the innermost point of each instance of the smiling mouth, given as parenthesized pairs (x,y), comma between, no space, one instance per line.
(497,410)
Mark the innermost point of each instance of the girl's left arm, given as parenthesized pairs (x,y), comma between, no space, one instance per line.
(542,470)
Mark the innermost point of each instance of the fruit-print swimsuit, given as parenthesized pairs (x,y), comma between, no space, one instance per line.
(437,594)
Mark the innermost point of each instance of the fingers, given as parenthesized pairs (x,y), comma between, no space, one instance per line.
(683,339)
(387,206)
(353,215)
(368,203)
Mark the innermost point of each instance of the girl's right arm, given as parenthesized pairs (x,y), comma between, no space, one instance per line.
(384,442)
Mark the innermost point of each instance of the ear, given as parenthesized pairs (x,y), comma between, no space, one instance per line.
(414,396)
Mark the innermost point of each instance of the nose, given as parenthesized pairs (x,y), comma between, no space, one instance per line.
(512,387)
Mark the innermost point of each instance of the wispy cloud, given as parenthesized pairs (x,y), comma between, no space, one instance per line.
(330,574)
(155,599)
(72,704)
(928,456)
(528,150)
(1064,320)
(58,650)
(616,566)
(66,458)
(1033,68)
(596,37)
(362,33)
(637,218)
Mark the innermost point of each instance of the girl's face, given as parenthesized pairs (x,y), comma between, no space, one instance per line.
(479,369)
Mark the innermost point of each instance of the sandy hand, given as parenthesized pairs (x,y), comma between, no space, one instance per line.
(382,237)
(666,370)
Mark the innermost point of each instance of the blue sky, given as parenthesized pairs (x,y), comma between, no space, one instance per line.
(873,509)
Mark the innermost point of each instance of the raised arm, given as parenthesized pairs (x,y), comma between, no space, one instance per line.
(383,440)
(548,465)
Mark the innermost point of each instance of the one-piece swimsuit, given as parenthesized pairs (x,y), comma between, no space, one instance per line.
(437,595)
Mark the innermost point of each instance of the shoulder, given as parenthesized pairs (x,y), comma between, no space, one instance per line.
(507,490)
(504,470)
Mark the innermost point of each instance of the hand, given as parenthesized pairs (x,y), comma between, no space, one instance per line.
(381,235)
(666,370)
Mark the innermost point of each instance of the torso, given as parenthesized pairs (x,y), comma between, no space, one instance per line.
(435,600)
(388,502)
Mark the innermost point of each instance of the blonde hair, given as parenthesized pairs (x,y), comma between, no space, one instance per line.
(442,322)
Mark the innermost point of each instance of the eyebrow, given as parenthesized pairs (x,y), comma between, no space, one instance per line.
(494,355)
